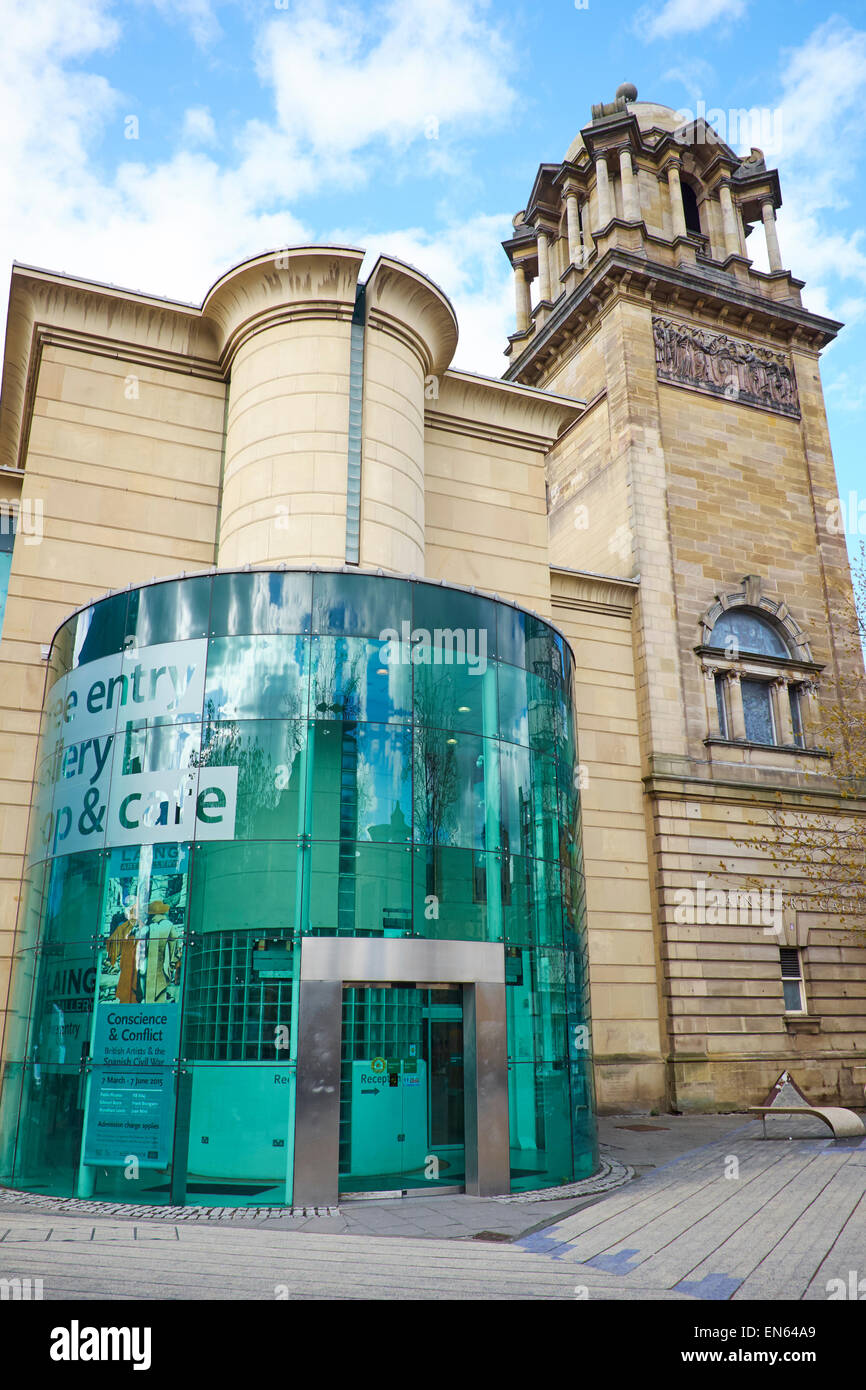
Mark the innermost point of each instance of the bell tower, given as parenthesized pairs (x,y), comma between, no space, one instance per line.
(701,471)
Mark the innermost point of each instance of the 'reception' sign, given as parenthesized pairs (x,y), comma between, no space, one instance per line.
(119,765)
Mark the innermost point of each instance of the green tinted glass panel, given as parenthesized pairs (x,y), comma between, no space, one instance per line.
(536,1004)
(33,890)
(159,748)
(237,1140)
(73,896)
(527,709)
(517,809)
(260,603)
(451,695)
(62,1010)
(584,1132)
(141,882)
(172,612)
(269,756)
(98,631)
(524,640)
(456,620)
(60,660)
(5,569)
(42,832)
(248,886)
(456,893)
(17,1038)
(452,774)
(360,889)
(10,1110)
(361,782)
(539,1125)
(355,605)
(566,742)
(49,1136)
(352,680)
(257,678)
(532,902)
(128,1112)
(574,906)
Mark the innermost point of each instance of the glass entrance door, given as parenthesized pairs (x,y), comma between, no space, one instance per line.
(401,1092)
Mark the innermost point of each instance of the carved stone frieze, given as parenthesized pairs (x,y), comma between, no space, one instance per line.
(725,366)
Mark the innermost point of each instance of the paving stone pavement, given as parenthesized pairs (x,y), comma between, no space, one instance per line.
(733,1217)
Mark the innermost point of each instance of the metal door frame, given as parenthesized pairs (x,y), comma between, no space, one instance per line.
(328,963)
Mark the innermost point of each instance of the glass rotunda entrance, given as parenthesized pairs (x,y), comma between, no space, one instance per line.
(303,909)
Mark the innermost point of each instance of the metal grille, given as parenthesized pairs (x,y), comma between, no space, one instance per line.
(790,960)
(239,997)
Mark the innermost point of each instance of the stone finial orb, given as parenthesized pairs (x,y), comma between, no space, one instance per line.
(627,90)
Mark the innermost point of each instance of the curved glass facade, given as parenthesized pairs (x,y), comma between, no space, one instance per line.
(234,762)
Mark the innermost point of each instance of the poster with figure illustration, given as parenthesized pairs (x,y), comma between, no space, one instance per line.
(143,920)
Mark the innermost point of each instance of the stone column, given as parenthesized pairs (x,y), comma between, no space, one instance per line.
(523,306)
(678,213)
(630,196)
(735,706)
(555,266)
(605,192)
(564,261)
(543,243)
(565,244)
(585,234)
(768,213)
(713,722)
(783,712)
(572,214)
(810,716)
(729,220)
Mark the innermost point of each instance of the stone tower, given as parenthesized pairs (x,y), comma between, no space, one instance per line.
(701,468)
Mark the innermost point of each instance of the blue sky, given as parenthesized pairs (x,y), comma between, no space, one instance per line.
(412,127)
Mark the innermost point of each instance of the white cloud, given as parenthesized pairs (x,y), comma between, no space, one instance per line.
(695,74)
(342,80)
(685,17)
(198,15)
(846,394)
(198,126)
(171,226)
(168,227)
(822,155)
(824,87)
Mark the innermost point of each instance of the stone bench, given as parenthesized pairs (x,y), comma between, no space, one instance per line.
(844,1123)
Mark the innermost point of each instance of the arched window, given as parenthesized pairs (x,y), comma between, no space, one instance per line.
(743,630)
(690,208)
